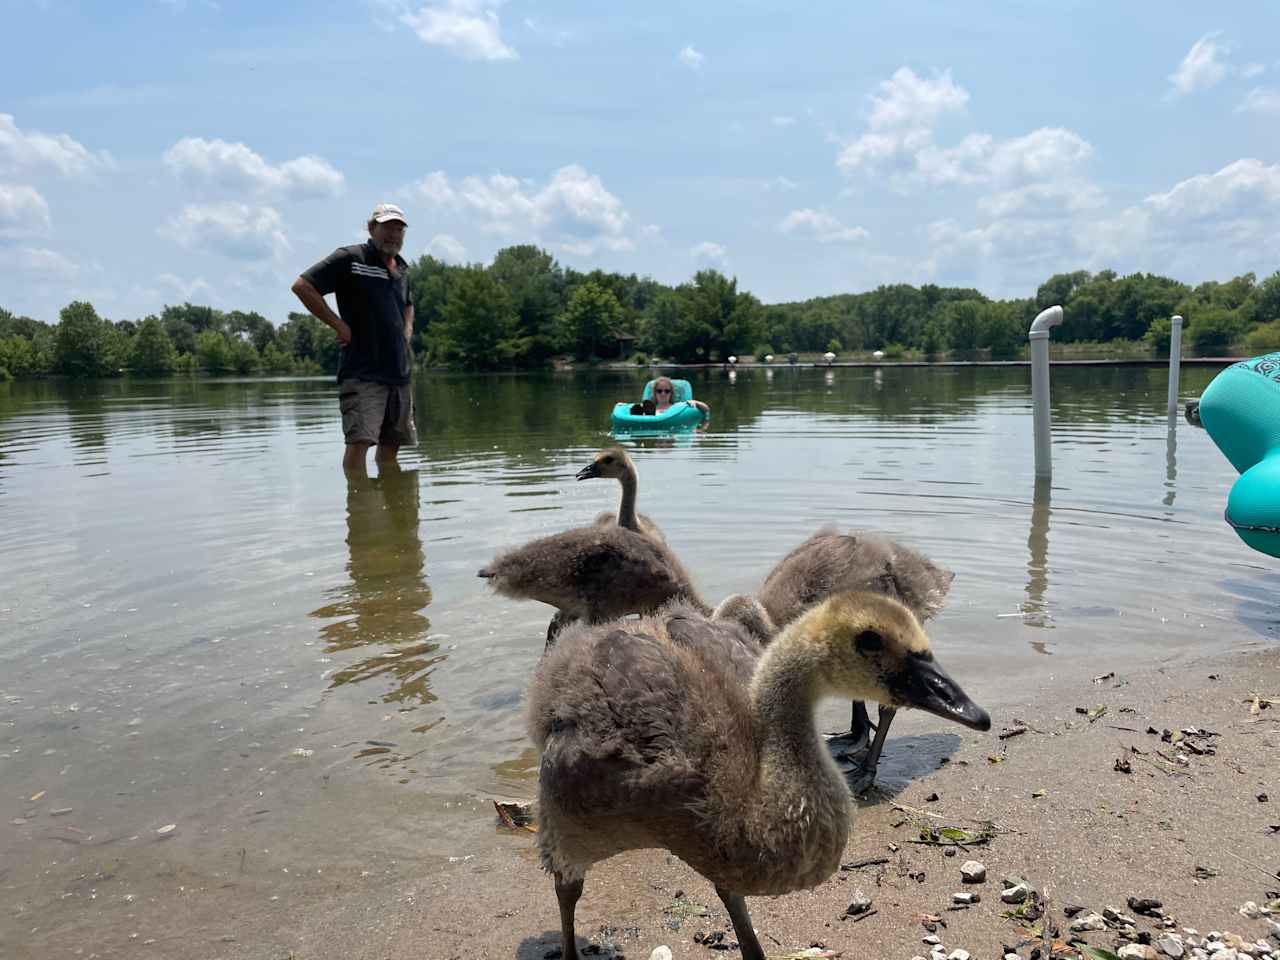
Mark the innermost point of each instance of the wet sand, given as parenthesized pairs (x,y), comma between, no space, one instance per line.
(1094,838)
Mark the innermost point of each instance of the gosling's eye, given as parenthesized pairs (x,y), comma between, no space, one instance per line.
(607,460)
(868,641)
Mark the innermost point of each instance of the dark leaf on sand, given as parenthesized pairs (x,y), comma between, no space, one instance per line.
(1204,873)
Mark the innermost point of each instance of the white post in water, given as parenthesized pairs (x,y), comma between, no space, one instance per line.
(1175,363)
(1039,337)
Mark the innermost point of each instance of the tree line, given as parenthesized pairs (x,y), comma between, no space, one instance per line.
(524,309)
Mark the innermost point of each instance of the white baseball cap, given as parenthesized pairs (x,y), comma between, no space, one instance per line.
(388,211)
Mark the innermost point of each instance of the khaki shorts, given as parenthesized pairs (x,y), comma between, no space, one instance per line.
(377,412)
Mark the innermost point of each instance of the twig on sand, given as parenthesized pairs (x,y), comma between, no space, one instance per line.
(1046,927)
(1247,863)
(868,862)
(1016,731)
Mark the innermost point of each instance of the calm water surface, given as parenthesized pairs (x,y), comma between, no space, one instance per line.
(205,625)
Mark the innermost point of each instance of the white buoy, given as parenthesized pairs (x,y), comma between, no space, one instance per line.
(1175,363)
(1039,337)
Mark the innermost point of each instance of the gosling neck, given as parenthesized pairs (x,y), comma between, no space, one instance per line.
(627,509)
(784,690)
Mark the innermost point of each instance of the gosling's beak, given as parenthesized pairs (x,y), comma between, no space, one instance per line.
(926,686)
(590,471)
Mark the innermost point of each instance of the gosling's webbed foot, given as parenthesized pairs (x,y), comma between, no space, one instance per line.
(854,744)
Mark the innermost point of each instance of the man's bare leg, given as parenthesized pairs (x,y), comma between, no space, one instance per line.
(355,457)
(386,453)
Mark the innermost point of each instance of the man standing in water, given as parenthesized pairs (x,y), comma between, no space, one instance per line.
(374,324)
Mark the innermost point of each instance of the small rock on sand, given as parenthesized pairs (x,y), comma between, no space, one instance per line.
(971,871)
(661,953)
(1017,893)
(1088,921)
(859,903)
(1138,951)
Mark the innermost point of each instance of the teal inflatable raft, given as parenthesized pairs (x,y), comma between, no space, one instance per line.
(681,415)
(1240,410)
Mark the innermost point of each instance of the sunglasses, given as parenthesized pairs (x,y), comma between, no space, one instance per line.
(662,390)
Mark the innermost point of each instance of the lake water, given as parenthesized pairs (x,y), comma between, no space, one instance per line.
(206,626)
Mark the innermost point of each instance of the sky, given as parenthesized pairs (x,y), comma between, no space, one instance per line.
(161,151)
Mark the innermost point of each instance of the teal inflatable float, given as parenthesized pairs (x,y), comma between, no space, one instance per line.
(681,415)
(1240,410)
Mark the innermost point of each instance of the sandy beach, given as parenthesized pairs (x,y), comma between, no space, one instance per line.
(1191,825)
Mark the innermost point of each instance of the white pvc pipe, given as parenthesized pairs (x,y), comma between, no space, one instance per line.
(1175,363)
(1039,337)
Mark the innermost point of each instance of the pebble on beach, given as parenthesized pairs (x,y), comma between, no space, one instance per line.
(971,871)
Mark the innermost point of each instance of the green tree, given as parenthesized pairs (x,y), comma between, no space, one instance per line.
(242,357)
(252,325)
(964,325)
(535,285)
(18,357)
(1214,329)
(1266,299)
(152,352)
(589,320)
(276,360)
(85,344)
(478,327)
(213,351)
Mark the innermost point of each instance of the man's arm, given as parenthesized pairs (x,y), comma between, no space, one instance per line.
(314,301)
(408,323)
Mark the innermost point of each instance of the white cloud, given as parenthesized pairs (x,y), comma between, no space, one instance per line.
(1201,68)
(907,101)
(783,121)
(33,150)
(691,58)
(822,225)
(447,248)
(903,115)
(188,291)
(38,263)
(236,166)
(1260,100)
(1048,199)
(708,252)
(235,230)
(1043,154)
(574,208)
(23,212)
(467,27)
(1240,189)
(1210,224)
(1251,70)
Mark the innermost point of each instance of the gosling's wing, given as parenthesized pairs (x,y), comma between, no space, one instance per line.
(605,570)
(636,720)
(830,562)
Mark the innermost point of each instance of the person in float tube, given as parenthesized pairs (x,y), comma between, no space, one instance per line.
(664,392)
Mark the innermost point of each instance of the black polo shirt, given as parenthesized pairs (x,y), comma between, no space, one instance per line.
(371,301)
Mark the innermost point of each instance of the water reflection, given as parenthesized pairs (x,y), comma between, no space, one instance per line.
(1035,609)
(388,591)
(1171,459)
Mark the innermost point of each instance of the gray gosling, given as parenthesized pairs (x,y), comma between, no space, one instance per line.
(614,463)
(678,732)
(593,574)
(830,562)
